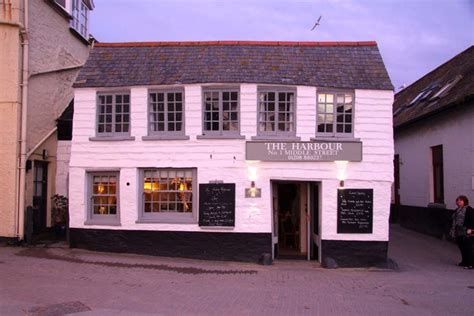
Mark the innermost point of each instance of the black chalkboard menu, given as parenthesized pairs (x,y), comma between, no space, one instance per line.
(217,204)
(355,211)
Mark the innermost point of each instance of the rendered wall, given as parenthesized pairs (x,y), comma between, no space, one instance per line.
(10,58)
(215,160)
(53,49)
(455,131)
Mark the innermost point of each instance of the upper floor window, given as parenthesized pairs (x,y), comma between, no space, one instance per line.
(80,18)
(166,113)
(335,114)
(113,114)
(221,112)
(276,112)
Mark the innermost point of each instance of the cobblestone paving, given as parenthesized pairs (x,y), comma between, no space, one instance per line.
(41,281)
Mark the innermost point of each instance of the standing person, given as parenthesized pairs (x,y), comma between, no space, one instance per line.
(462,230)
(469,241)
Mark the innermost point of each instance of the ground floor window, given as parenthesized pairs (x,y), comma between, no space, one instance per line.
(103,206)
(168,194)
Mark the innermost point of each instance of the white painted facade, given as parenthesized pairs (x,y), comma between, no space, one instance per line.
(455,131)
(224,159)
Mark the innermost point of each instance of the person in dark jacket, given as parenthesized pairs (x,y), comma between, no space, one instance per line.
(462,230)
(469,241)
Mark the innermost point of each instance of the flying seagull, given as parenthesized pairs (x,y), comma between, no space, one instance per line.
(317,22)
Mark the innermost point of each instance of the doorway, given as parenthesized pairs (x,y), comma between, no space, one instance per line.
(40,195)
(295,220)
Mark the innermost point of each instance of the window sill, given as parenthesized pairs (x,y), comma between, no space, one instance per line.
(60,9)
(79,36)
(111,138)
(334,139)
(277,138)
(91,222)
(164,137)
(188,221)
(220,137)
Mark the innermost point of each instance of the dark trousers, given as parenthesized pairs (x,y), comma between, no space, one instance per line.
(461,241)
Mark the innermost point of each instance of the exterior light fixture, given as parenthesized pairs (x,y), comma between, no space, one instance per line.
(253,191)
(341,166)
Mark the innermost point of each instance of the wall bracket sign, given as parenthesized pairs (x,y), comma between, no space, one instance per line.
(303,151)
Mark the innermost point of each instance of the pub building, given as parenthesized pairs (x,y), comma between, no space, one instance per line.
(233,151)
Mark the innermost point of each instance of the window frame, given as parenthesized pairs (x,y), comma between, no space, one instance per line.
(77,7)
(167,217)
(220,133)
(113,134)
(94,219)
(173,135)
(335,134)
(277,134)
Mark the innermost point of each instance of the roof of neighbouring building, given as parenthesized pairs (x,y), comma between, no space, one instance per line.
(447,86)
(354,65)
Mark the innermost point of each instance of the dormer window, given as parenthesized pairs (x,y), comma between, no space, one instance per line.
(446,87)
(423,95)
(80,18)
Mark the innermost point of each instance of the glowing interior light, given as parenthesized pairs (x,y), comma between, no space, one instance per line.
(101,188)
(341,166)
(252,173)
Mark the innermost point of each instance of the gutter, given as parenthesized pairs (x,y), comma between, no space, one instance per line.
(56,70)
(24,113)
(38,145)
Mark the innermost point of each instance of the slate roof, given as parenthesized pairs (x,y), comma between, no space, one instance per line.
(458,72)
(354,65)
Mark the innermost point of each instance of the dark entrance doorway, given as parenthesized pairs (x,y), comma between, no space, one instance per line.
(289,232)
(296,219)
(40,194)
(396,170)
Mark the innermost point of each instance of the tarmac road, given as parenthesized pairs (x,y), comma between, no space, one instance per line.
(57,281)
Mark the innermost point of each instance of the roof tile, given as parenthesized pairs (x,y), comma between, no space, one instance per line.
(353,65)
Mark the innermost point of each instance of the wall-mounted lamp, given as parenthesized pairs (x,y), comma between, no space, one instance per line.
(341,166)
(253,191)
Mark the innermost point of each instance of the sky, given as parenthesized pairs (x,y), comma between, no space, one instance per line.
(414,37)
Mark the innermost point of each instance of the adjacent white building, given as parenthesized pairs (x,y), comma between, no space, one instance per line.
(434,143)
(434,117)
(229,150)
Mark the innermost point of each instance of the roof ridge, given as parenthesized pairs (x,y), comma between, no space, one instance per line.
(237,43)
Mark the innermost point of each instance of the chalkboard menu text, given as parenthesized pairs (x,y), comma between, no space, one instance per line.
(355,211)
(217,204)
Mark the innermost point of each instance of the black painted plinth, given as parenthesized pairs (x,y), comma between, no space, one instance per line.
(341,253)
(199,245)
(8,240)
(431,221)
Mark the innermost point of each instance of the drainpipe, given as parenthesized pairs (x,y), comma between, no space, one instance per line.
(24,112)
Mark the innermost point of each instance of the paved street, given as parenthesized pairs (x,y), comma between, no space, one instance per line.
(45,281)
